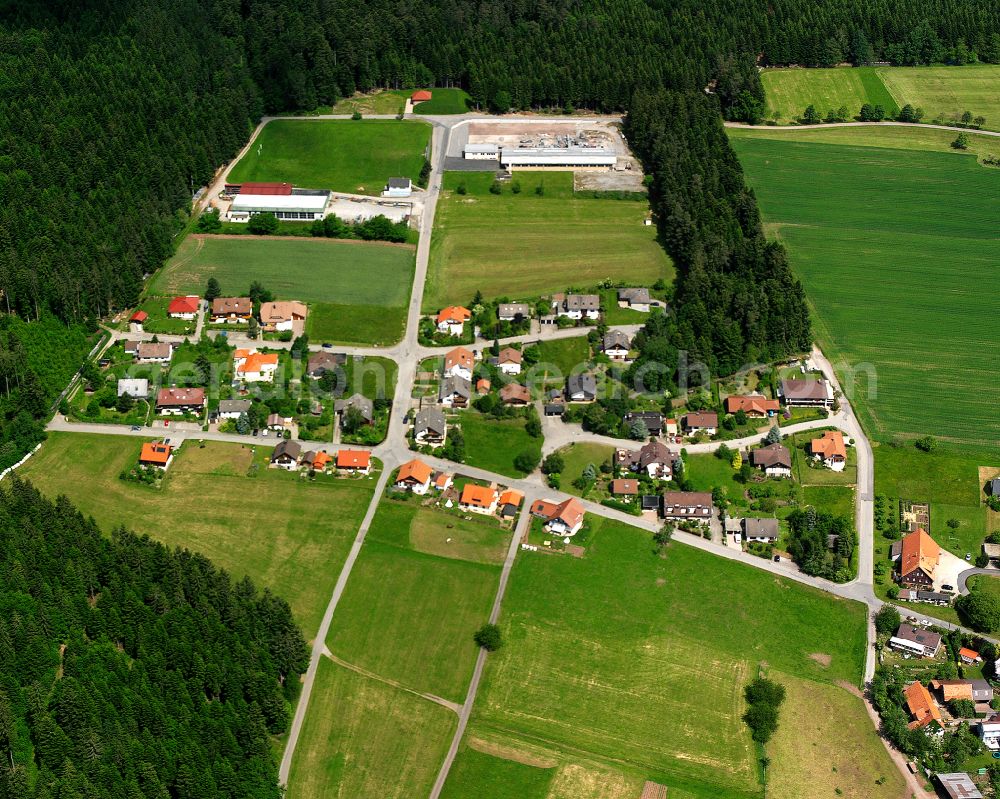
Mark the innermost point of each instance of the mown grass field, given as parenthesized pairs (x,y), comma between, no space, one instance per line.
(445,101)
(944,93)
(558,357)
(493,444)
(286,534)
(524,245)
(897,252)
(386,101)
(789,91)
(609,658)
(476,774)
(365,738)
(340,155)
(357,291)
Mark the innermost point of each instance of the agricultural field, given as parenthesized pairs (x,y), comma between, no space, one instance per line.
(219,500)
(478,773)
(909,233)
(493,444)
(944,93)
(789,91)
(340,155)
(363,737)
(524,245)
(600,650)
(357,291)
(411,645)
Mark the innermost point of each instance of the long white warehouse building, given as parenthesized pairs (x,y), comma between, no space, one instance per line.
(307,206)
(543,156)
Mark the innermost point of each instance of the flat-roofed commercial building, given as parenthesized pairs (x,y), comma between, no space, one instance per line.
(301,204)
(562,157)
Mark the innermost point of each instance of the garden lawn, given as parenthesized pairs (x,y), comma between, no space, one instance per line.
(889,245)
(576,458)
(339,155)
(557,358)
(601,650)
(524,245)
(493,444)
(826,745)
(789,91)
(364,738)
(838,500)
(410,617)
(286,534)
(310,270)
(160,321)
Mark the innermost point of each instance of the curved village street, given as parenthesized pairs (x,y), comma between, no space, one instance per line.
(395,450)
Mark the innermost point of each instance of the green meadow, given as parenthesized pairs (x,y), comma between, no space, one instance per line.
(612,666)
(789,91)
(340,155)
(525,244)
(897,251)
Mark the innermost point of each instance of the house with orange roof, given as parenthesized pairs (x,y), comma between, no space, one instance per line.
(459,362)
(969,656)
(756,406)
(830,449)
(251,366)
(919,556)
(442,481)
(283,315)
(184,307)
(563,518)
(483,386)
(515,394)
(921,705)
(414,476)
(358,461)
(510,500)
(478,499)
(451,320)
(317,460)
(420,96)
(670,428)
(156,453)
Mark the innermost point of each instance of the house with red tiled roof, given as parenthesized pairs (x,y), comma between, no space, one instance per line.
(451,320)
(756,406)
(136,320)
(510,500)
(420,96)
(414,476)
(157,454)
(251,366)
(478,499)
(564,518)
(459,362)
(921,705)
(969,656)
(358,461)
(830,449)
(184,307)
(180,401)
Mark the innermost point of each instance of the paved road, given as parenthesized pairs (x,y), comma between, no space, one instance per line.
(887,124)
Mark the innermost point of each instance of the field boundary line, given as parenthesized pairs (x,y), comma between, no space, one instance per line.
(437,700)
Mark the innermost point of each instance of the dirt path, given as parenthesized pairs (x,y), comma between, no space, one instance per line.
(452,706)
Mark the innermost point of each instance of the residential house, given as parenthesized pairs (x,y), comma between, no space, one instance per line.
(278,423)
(429,427)
(830,449)
(231,310)
(251,366)
(616,345)
(442,481)
(654,458)
(755,406)
(358,461)
(796,393)
(764,531)
(930,597)
(989,731)
(414,476)
(564,518)
(918,559)
(510,500)
(184,307)
(153,352)
(180,401)
(581,388)
(915,641)
(958,785)
(135,387)
(555,403)
(232,409)
(637,299)
(455,392)
(286,455)
(774,460)
(670,428)
(459,363)
(701,422)
(969,656)
(650,502)
(652,420)
(482,386)
(478,499)
(508,361)
(320,363)
(315,460)
(625,487)
(157,454)
(577,306)
(283,316)
(131,347)
(398,187)
(513,311)
(921,705)
(688,505)
(977,690)
(515,394)
(136,321)
(364,406)
(452,320)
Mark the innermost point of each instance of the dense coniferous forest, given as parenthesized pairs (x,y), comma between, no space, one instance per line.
(128,671)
